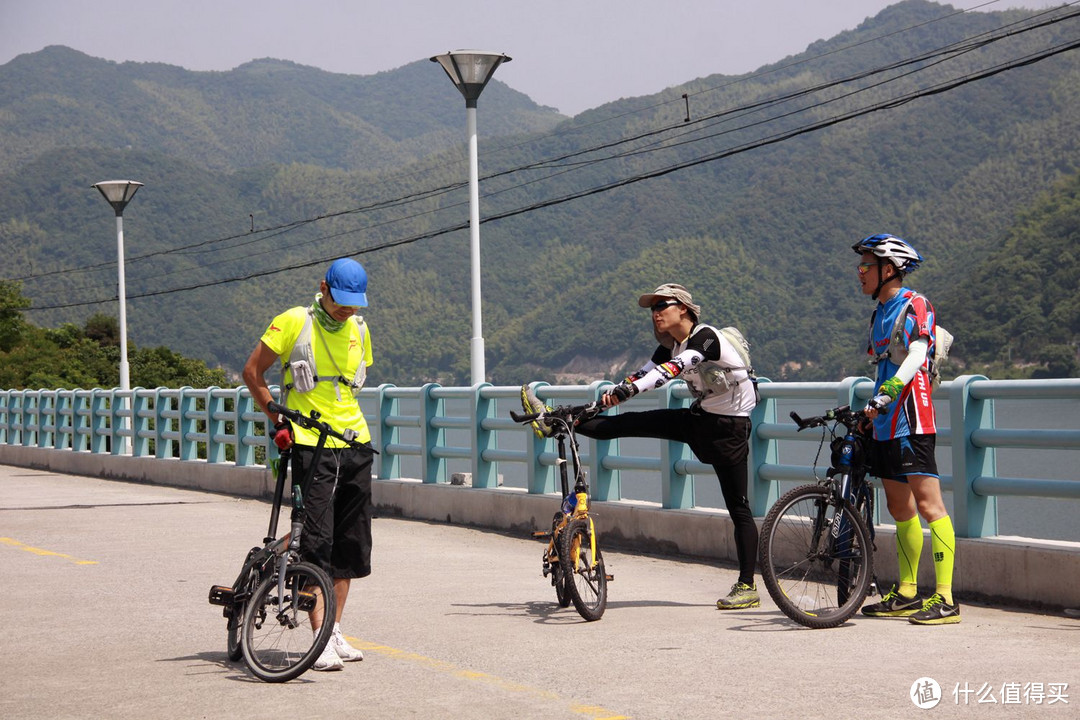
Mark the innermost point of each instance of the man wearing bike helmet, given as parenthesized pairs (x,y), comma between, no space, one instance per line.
(902,448)
(330,337)
(716,426)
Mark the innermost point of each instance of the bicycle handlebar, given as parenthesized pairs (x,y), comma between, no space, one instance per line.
(843,415)
(569,413)
(313,423)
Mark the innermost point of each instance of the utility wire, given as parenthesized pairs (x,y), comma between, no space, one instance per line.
(779,137)
(277,230)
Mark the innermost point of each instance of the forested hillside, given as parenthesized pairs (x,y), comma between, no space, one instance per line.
(958,131)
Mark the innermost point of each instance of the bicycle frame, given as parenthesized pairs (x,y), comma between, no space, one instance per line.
(846,480)
(578,574)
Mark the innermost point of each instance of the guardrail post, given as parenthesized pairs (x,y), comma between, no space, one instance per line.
(47,418)
(117,442)
(215,425)
(676,489)
(539,478)
(81,420)
(387,465)
(99,414)
(762,493)
(187,423)
(163,406)
(64,420)
(606,484)
(431,437)
(484,474)
(140,422)
(245,426)
(30,417)
(973,515)
(5,405)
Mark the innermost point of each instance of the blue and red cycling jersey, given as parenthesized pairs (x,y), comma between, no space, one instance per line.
(912,413)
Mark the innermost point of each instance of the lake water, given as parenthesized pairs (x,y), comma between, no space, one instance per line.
(1053,519)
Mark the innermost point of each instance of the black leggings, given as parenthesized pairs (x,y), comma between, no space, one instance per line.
(722,441)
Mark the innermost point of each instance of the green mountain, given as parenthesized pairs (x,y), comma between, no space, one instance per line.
(950,129)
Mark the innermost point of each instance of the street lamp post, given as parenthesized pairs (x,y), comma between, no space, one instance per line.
(470,71)
(118,193)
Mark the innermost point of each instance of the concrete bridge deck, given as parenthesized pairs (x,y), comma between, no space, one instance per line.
(105,615)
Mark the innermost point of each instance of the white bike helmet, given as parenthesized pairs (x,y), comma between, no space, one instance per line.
(892,248)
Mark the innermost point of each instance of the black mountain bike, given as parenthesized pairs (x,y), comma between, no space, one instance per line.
(268,609)
(572,559)
(817,541)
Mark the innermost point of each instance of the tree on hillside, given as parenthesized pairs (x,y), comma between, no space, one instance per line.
(12,303)
(103,329)
(70,357)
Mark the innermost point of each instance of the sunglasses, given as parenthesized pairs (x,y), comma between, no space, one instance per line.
(865,267)
(659,307)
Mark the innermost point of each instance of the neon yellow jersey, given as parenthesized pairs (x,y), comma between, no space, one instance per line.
(347,348)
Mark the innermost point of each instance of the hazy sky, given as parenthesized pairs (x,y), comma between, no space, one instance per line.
(568,54)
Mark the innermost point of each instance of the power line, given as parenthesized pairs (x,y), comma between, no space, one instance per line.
(950,51)
(779,137)
(268,233)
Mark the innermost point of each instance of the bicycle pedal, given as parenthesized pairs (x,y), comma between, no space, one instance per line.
(306,601)
(221,595)
(609,577)
(542,534)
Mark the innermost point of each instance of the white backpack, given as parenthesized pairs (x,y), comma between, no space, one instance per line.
(719,377)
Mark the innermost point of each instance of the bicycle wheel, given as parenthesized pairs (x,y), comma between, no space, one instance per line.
(562,587)
(585,576)
(817,577)
(277,637)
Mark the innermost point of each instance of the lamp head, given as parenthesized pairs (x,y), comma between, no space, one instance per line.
(118,193)
(470,70)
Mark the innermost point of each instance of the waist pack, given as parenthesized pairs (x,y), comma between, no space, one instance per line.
(897,350)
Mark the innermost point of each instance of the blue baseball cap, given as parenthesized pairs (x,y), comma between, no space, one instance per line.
(348,282)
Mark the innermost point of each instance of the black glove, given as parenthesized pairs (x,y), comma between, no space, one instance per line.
(623,391)
(879,402)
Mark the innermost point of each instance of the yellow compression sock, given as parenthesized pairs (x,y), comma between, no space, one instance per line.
(909,544)
(943,545)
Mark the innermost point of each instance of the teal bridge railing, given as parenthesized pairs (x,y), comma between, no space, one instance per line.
(437,427)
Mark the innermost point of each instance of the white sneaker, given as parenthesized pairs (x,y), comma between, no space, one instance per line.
(341,646)
(329,659)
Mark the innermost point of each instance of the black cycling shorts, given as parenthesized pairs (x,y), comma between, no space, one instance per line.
(337,528)
(911,455)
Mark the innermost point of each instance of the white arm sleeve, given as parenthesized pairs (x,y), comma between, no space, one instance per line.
(915,358)
(662,374)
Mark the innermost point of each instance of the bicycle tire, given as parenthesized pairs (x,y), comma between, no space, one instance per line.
(278,642)
(235,623)
(562,586)
(586,578)
(815,582)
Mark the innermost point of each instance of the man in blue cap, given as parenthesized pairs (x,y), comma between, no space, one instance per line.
(325,350)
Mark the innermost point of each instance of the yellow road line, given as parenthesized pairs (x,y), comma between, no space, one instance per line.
(591,711)
(39,551)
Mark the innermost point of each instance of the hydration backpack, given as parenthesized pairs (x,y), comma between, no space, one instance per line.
(302,363)
(897,351)
(719,377)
